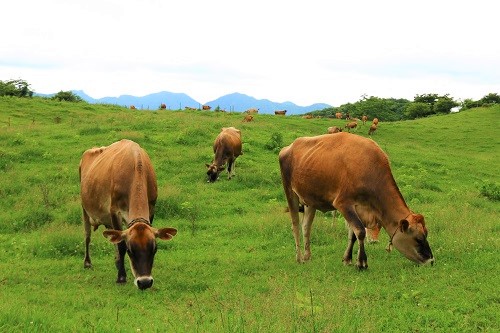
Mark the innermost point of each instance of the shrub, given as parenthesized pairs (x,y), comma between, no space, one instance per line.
(275,143)
(490,191)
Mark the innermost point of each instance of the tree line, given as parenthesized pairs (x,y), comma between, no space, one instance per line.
(386,109)
(393,109)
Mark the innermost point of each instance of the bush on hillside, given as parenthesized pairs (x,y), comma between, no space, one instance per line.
(67,96)
(275,143)
(15,88)
(490,191)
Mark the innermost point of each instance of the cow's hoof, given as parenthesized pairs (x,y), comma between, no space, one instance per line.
(87,264)
(121,279)
(362,267)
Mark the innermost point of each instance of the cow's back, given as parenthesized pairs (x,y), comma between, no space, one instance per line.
(229,140)
(115,177)
(322,168)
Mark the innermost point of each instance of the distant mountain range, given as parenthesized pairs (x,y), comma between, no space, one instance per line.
(233,102)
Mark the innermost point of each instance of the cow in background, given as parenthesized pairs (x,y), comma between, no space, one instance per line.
(338,115)
(318,172)
(252,110)
(372,129)
(350,125)
(364,119)
(280,112)
(163,106)
(206,107)
(334,129)
(118,188)
(248,118)
(227,147)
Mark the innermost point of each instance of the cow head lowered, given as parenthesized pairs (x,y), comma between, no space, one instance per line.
(140,240)
(410,238)
(213,171)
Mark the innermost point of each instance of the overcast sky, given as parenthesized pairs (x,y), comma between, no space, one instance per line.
(300,51)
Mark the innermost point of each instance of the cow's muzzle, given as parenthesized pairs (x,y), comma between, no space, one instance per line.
(144,282)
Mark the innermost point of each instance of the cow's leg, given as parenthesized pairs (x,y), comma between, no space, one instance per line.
(86,223)
(121,249)
(307,221)
(358,230)
(230,168)
(293,207)
(351,239)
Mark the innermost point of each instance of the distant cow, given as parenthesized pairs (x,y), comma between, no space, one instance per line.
(280,112)
(350,125)
(132,107)
(252,110)
(375,121)
(334,129)
(364,119)
(118,187)
(338,115)
(163,106)
(248,118)
(372,129)
(227,147)
(351,174)
(206,107)
(307,116)
(190,108)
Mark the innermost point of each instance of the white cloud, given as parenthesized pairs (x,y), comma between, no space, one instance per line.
(304,52)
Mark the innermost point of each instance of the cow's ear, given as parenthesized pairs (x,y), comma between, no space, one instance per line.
(114,236)
(403,225)
(165,233)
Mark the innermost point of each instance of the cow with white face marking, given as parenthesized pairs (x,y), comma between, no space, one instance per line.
(118,187)
(351,174)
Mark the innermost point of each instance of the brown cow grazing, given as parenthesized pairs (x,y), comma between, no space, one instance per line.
(350,125)
(334,129)
(280,112)
(206,107)
(338,115)
(248,118)
(364,119)
(118,186)
(132,107)
(351,174)
(375,121)
(163,106)
(227,147)
(372,129)
(252,110)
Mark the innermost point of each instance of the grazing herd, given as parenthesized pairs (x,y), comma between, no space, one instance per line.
(119,190)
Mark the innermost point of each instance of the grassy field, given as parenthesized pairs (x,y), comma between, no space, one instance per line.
(231,267)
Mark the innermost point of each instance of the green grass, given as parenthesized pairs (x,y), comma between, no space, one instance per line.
(231,267)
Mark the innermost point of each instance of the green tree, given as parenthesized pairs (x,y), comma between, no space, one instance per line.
(426,98)
(67,96)
(444,104)
(491,98)
(418,110)
(17,88)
